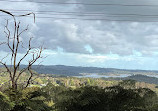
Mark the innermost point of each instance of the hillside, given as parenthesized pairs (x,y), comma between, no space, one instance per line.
(143,78)
(77,70)
(139,78)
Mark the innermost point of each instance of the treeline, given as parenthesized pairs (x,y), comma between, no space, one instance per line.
(73,82)
(139,78)
(122,97)
(78,71)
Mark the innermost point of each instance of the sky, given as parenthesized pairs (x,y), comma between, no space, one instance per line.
(96,35)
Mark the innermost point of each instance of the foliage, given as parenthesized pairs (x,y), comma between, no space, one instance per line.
(116,98)
(5,103)
(127,84)
(80,94)
(29,99)
(53,92)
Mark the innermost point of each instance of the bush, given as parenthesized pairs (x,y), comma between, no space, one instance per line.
(5,103)
(114,98)
(29,99)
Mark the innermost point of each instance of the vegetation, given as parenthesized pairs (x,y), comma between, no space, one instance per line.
(22,89)
(139,77)
(80,94)
(114,98)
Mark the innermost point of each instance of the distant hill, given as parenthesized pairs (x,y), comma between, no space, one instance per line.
(139,78)
(61,70)
(58,70)
(78,70)
(144,78)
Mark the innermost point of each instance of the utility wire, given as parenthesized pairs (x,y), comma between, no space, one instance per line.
(96,15)
(90,19)
(78,3)
(80,13)
(109,16)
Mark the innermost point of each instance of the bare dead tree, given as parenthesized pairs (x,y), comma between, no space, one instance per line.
(13,43)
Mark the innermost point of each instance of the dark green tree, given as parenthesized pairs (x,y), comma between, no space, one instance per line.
(114,98)
(29,99)
(5,103)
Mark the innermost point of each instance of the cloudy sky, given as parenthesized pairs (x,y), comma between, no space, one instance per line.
(100,33)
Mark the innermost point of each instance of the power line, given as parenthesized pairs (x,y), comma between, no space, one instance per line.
(109,16)
(101,19)
(94,15)
(90,19)
(79,3)
(79,13)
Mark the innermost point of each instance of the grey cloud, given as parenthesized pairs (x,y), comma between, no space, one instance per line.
(109,9)
(103,37)
(117,38)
